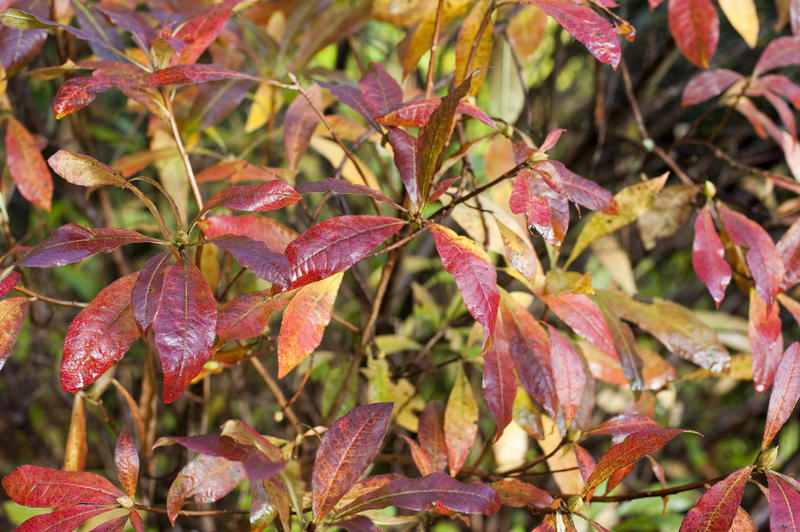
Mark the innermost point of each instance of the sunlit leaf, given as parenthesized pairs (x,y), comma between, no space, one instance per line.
(743,17)
(695,27)
(467,36)
(42,487)
(12,313)
(624,424)
(26,165)
(785,393)
(64,518)
(513,492)
(83,170)
(717,507)
(76,446)
(274,234)
(568,373)
(708,256)
(269,196)
(126,461)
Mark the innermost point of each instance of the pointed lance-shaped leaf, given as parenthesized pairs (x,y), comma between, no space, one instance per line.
(785,393)
(594,31)
(12,314)
(381,92)
(42,487)
(779,53)
(694,25)
(529,347)
(299,124)
(126,461)
(514,492)
(784,504)
(336,244)
(708,256)
(467,37)
(257,257)
(77,93)
(347,449)
(83,170)
(247,315)
(146,292)
(762,256)
(568,373)
(304,320)
(624,424)
(580,313)
(185,328)
(717,507)
(206,479)
(418,114)
(766,340)
(582,191)
(193,74)
(274,234)
(64,518)
(434,490)
(340,186)
(354,99)
(547,209)
(268,196)
(499,385)
(431,437)
(789,249)
(473,272)
(26,165)
(630,450)
(99,336)
(76,445)
(406,151)
(624,347)
(708,84)
(71,243)
(460,422)
(197,33)
(18,47)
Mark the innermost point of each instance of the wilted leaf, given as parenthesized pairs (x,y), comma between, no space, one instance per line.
(695,27)
(766,340)
(499,386)
(299,124)
(347,449)
(336,244)
(146,292)
(460,422)
(784,504)
(568,373)
(185,328)
(257,257)
(632,201)
(12,313)
(83,170)
(42,487)
(304,321)
(670,209)
(26,165)
(206,478)
(247,315)
(126,461)
(632,448)
(474,273)
(708,84)
(708,256)
(717,507)
(269,196)
(71,243)
(785,393)
(434,490)
(99,336)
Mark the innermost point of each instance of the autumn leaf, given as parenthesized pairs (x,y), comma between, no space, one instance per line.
(580,313)
(624,347)
(26,165)
(785,393)
(268,196)
(432,443)
(12,314)
(499,385)
(83,170)
(198,32)
(418,113)
(568,374)
(717,507)
(708,84)
(766,340)
(780,52)
(784,503)
(708,256)
(467,35)
(205,479)
(514,492)
(247,315)
(257,257)
(623,425)
(42,487)
(146,291)
(380,90)
(274,234)
(743,17)
(299,124)
(695,27)
(347,449)
(460,422)
(126,462)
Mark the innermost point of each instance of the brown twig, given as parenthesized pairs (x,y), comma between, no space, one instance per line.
(654,493)
(176,134)
(276,391)
(223,511)
(51,300)
(437,26)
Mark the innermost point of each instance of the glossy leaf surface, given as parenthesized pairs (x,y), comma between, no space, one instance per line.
(205,479)
(785,393)
(42,487)
(268,196)
(717,507)
(708,256)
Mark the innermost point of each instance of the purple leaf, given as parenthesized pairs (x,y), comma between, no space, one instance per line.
(257,257)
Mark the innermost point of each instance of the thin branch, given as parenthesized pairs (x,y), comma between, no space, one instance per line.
(655,493)
(154,509)
(51,300)
(276,391)
(437,26)
(182,149)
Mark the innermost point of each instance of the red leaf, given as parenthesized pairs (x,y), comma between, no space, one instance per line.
(136,521)
(8,282)
(347,449)
(434,490)
(77,93)
(568,373)
(580,313)
(499,386)
(247,315)
(185,328)
(766,340)
(474,273)
(381,92)
(71,243)
(114,525)
(63,519)
(206,478)
(235,171)
(304,322)
(340,186)
(146,292)
(460,422)
(418,113)
(625,346)
(274,234)
(255,198)
(257,257)
(546,208)
(126,461)
(192,74)
(513,492)
(586,463)
(99,336)
(26,165)
(83,170)
(784,504)
(579,189)
(785,393)
(717,507)
(594,31)
(42,487)
(618,476)
(762,257)
(405,150)
(632,448)
(624,424)
(708,256)
(299,124)
(789,249)
(12,314)
(708,84)
(431,438)
(198,32)
(779,53)
(695,27)
(336,244)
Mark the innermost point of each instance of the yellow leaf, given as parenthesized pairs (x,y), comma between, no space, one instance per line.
(422,37)
(262,108)
(467,39)
(526,30)
(743,17)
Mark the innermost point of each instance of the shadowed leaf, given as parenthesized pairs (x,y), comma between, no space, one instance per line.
(247,315)
(460,422)
(624,347)
(26,165)
(299,124)
(785,393)
(766,340)
(12,313)
(274,234)
(146,292)
(256,256)
(381,92)
(568,373)
(206,479)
